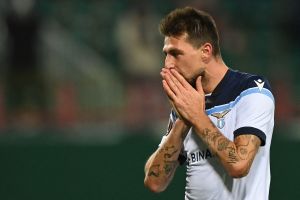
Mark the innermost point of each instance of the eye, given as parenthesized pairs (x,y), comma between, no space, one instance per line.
(173,53)
(176,55)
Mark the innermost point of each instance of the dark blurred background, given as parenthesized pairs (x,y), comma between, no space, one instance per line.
(81,102)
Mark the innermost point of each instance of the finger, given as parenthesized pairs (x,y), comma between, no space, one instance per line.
(181,79)
(164,69)
(176,82)
(162,74)
(168,90)
(172,83)
(199,84)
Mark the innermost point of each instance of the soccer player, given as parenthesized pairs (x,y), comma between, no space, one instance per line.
(222,120)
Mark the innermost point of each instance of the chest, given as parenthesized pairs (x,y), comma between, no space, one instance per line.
(223,119)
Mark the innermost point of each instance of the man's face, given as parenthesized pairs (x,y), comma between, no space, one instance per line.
(183,57)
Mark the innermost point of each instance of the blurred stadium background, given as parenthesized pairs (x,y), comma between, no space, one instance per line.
(81,105)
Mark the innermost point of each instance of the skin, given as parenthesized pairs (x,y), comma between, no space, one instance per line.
(162,164)
(190,73)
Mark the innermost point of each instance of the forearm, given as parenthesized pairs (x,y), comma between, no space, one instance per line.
(236,158)
(160,167)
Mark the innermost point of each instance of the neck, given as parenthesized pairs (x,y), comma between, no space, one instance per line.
(214,73)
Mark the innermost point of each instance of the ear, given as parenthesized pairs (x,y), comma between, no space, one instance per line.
(206,52)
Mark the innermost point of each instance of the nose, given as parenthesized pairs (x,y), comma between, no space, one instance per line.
(169,63)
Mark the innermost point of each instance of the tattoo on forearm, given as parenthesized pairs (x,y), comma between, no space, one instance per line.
(233,158)
(169,166)
(169,152)
(211,136)
(223,144)
(215,140)
(154,170)
(170,157)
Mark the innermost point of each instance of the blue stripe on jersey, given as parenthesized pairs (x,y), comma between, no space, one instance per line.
(231,104)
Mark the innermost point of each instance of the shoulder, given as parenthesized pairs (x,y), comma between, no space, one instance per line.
(254,84)
(235,85)
(247,81)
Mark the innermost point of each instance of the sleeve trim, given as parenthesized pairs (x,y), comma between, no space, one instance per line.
(251,130)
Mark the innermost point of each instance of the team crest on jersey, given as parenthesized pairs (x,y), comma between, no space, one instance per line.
(220,118)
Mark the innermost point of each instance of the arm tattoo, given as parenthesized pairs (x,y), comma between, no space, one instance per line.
(169,162)
(243,151)
(233,158)
(169,166)
(256,144)
(210,136)
(223,144)
(218,144)
(154,170)
(170,151)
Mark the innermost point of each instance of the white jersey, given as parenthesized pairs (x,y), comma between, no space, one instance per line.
(241,104)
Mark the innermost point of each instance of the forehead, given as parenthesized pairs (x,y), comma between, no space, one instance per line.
(174,42)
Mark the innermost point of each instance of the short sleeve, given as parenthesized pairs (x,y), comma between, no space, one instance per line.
(255,114)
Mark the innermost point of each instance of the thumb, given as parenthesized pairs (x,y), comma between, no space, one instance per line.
(199,84)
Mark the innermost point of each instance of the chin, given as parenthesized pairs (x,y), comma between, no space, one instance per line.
(193,80)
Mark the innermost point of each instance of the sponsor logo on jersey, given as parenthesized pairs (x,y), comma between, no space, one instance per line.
(260,84)
(199,155)
(220,118)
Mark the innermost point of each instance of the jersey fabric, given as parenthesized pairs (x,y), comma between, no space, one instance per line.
(241,103)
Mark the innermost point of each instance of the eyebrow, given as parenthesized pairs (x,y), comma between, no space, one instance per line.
(173,51)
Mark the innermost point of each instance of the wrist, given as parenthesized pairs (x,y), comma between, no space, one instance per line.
(181,127)
(199,119)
